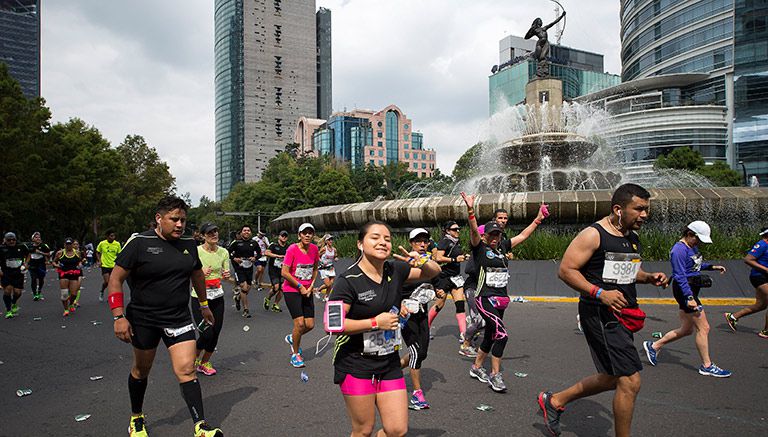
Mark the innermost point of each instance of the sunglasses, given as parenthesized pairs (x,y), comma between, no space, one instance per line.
(454,229)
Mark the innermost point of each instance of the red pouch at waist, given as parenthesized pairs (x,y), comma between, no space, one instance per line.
(632,318)
(212,283)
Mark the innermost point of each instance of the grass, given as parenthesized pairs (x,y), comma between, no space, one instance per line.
(550,244)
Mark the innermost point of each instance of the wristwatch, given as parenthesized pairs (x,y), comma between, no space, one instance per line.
(116,318)
(690,298)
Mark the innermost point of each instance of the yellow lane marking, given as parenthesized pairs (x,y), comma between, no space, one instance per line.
(653,300)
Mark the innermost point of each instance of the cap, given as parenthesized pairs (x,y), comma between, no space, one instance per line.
(208,227)
(764,233)
(327,237)
(702,231)
(449,224)
(35,234)
(261,234)
(416,232)
(69,240)
(283,233)
(306,226)
(481,229)
(492,227)
(10,236)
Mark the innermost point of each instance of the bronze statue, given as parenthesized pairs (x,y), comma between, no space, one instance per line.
(542,45)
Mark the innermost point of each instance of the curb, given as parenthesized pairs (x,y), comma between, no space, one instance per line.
(652,300)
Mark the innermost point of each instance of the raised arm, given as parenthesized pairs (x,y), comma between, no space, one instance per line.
(474,235)
(554,22)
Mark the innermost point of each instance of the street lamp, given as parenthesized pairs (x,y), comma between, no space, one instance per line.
(744,170)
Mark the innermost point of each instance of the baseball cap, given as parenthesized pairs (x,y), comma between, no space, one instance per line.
(449,224)
(327,237)
(69,240)
(492,227)
(208,227)
(416,232)
(10,236)
(765,232)
(702,231)
(283,233)
(306,226)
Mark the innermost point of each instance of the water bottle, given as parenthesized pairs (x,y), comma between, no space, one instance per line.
(304,377)
(23,392)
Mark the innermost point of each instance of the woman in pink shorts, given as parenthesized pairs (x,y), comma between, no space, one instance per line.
(366,361)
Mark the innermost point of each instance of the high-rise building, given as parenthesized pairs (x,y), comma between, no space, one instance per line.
(20,43)
(581,72)
(365,137)
(266,78)
(324,79)
(696,74)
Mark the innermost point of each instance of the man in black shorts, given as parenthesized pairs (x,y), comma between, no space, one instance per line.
(244,252)
(39,255)
(14,259)
(603,264)
(158,265)
(275,254)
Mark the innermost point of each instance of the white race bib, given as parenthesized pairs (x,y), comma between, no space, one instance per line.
(381,342)
(458,280)
(621,268)
(246,263)
(36,256)
(278,263)
(496,277)
(13,263)
(263,259)
(328,273)
(213,293)
(304,272)
(175,332)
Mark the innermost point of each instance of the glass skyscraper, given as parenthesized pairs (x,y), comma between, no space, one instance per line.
(20,43)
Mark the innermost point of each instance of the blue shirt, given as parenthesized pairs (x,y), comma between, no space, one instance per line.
(686,262)
(760,252)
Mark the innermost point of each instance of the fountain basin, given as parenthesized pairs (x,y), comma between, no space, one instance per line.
(564,150)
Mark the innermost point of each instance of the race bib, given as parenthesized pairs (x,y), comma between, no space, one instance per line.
(458,280)
(278,263)
(621,268)
(381,342)
(175,332)
(246,263)
(13,263)
(327,273)
(496,277)
(213,293)
(304,272)
(36,256)
(263,258)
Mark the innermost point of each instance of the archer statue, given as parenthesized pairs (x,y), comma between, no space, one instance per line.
(542,46)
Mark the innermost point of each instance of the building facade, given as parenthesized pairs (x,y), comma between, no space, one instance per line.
(266,78)
(324,77)
(377,138)
(581,72)
(725,42)
(20,43)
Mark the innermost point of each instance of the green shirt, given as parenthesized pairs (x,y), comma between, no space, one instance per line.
(108,253)
(217,261)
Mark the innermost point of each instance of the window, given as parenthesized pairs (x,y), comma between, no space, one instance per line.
(378,124)
(378,134)
(278,64)
(405,137)
(405,145)
(278,6)
(407,155)
(278,96)
(370,152)
(423,156)
(423,174)
(423,165)
(279,126)
(405,126)
(372,163)
(380,144)
(415,165)
(381,153)
(381,162)
(278,34)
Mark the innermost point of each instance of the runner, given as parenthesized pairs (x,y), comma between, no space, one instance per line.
(416,330)
(89,255)
(475,321)
(507,244)
(687,281)
(492,298)
(76,246)
(14,259)
(215,260)
(158,265)
(449,256)
(68,262)
(603,264)
(299,271)
(275,255)
(328,256)
(757,258)
(244,252)
(106,254)
(261,263)
(39,256)
(366,362)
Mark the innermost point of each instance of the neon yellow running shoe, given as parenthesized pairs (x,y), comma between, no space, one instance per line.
(137,428)
(202,429)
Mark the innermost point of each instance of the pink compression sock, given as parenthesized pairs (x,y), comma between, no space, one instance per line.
(462,319)
(432,314)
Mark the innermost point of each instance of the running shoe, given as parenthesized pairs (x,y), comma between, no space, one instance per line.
(713,370)
(431,334)
(72,308)
(289,339)
(650,352)
(236,298)
(461,337)
(137,428)
(15,309)
(206,369)
(101,296)
(9,314)
(246,313)
(197,362)
(551,414)
(479,373)
(467,351)
(66,313)
(266,304)
(731,321)
(276,308)
(497,383)
(202,429)
(297,360)
(417,401)
(36,296)
(763,333)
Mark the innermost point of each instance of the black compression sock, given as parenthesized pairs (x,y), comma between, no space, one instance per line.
(193,396)
(15,298)
(136,390)
(7,301)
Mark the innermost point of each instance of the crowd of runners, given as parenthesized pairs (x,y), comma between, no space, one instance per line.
(381,308)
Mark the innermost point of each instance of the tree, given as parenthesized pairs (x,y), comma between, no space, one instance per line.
(721,175)
(369,181)
(467,165)
(683,158)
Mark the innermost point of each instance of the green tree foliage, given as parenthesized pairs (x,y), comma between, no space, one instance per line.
(467,165)
(369,181)
(685,158)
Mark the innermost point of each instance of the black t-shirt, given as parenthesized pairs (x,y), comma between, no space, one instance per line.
(471,271)
(624,254)
(12,258)
(367,299)
(37,259)
(276,249)
(243,249)
(491,268)
(452,250)
(159,278)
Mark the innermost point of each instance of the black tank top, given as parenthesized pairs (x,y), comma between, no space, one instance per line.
(622,255)
(69,262)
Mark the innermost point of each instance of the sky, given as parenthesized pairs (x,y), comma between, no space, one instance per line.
(146,67)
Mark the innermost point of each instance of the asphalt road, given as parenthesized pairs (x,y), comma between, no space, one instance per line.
(257,392)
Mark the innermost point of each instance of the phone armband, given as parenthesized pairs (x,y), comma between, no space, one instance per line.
(334,316)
